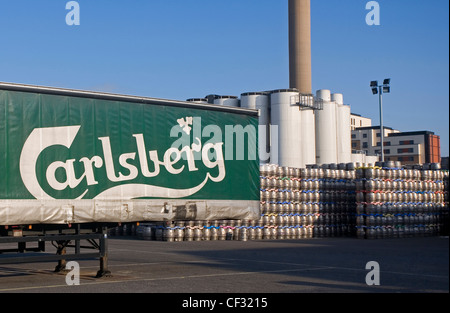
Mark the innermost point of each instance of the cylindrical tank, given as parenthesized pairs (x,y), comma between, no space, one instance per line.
(286,149)
(146,232)
(179,233)
(198,100)
(189,233)
(207,233)
(214,233)
(222,234)
(159,233)
(343,129)
(308,135)
(243,233)
(231,101)
(168,234)
(260,101)
(198,233)
(325,125)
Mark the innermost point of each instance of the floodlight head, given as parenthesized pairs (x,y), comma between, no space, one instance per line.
(387,81)
(386,89)
(375,90)
(374,83)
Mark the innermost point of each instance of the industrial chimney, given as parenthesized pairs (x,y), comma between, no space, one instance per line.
(300,45)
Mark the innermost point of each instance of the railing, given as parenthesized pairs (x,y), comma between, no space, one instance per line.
(307,101)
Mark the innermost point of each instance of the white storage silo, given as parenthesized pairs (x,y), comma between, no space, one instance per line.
(343,130)
(326,146)
(260,101)
(198,100)
(337,97)
(308,136)
(287,116)
(231,101)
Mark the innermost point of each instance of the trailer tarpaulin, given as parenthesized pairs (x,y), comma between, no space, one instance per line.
(79,157)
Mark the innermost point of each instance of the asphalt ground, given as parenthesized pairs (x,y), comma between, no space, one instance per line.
(325,265)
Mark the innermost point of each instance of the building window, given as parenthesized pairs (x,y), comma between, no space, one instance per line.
(364,135)
(387,151)
(378,135)
(353,136)
(406,142)
(406,159)
(354,145)
(405,150)
(365,145)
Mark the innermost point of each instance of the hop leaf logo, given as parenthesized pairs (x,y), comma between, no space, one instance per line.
(185,124)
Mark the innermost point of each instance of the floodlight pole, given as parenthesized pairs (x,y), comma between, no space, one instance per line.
(380,89)
(381,122)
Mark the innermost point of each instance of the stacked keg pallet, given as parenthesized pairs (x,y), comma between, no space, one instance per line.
(398,202)
(199,230)
(308,202)
(327,201)
(295,204)
(445,214)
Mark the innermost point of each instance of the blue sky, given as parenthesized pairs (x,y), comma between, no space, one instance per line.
(179,49)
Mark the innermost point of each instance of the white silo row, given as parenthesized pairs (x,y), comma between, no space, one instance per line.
(343,129)
(344,137)
(198,100)
(293,136)
(261,102)
(337,97)
(308,134)
(326,146)
(231,101)
(286,115)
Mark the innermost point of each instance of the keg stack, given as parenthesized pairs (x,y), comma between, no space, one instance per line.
(307,202)
(446,211)
(394,202)
(198,230)
(295,203)
(328,201)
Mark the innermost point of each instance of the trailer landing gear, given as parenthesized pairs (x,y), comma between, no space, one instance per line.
(97,239)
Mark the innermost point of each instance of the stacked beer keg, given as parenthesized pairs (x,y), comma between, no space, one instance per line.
(394,202)
(328,201)
(295,203)
(445,213)
(308,202)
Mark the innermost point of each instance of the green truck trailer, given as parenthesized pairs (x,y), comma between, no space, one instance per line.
(71,157)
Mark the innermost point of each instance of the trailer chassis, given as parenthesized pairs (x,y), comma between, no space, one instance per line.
(93,237)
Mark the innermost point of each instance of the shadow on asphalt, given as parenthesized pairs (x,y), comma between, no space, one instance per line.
(406,265)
